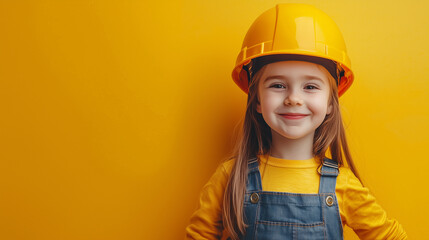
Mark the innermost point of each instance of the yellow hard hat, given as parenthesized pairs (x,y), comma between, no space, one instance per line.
(294,32)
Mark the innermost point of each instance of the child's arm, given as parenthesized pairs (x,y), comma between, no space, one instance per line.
(364,215)
(206,222)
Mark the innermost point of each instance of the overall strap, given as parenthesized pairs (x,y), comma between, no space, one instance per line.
(251,201)
(253,176)
(329,201)
(328,178)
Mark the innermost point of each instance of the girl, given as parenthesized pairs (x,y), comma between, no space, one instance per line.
(280,184)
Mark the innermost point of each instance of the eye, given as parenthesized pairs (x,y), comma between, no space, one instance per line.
(311,87)
(277,85)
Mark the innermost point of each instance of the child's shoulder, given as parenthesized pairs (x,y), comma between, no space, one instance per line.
(347,178)
(226,166)
(345,171)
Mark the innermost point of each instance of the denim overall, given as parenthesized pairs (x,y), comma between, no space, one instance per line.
(282,215)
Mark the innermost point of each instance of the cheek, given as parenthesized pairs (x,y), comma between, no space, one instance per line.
(320,107)
(269,102)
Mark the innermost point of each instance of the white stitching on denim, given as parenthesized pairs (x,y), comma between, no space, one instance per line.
(316,224)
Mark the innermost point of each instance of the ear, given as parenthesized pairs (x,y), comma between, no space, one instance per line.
(329,110)
(258,107)
(258,104)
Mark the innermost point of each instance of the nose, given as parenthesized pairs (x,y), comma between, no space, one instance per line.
(293,98)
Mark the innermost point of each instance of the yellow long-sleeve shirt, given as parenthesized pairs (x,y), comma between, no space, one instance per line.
(358,208)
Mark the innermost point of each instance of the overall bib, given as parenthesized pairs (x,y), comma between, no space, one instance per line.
(282,215)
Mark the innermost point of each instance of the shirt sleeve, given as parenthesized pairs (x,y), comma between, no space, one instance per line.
(365,216)
(206,221)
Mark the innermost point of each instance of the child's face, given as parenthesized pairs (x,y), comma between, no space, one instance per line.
(294,98)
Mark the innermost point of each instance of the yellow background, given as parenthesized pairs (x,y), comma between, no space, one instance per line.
(115,113)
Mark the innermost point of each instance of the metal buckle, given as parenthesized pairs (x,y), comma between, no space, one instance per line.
(325,163)
(252,160)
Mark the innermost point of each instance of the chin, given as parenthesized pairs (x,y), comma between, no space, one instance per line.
(293,136)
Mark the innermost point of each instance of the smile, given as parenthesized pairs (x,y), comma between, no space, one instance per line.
(294,115)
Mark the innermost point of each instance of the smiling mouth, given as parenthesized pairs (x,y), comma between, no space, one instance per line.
(294,115)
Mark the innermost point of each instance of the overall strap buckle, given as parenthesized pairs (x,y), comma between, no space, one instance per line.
(329,168)
(252,164)
(330,164)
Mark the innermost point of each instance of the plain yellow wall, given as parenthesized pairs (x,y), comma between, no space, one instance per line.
(115,113)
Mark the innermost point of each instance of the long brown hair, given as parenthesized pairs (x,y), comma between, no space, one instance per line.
(255,140)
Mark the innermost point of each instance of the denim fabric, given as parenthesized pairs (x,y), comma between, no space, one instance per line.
(282,215)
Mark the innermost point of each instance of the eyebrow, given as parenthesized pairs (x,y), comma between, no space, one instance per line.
(282,77)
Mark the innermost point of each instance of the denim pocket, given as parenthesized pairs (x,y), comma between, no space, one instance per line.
(282,231)
(289,216)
